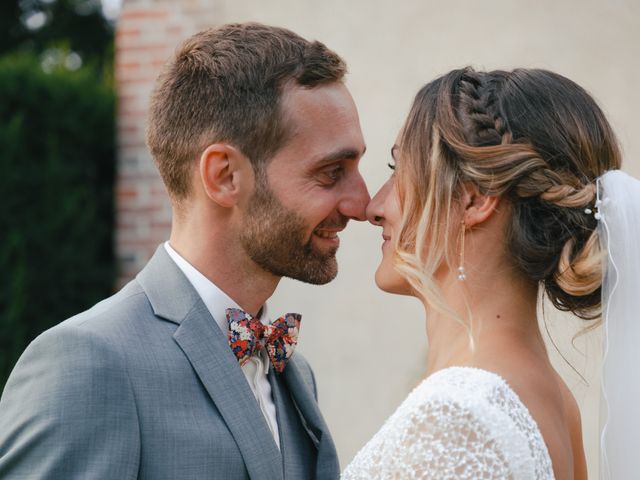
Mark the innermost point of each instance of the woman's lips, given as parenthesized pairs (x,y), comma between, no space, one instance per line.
(386,240)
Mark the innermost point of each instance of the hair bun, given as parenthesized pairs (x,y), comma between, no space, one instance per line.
(579,277)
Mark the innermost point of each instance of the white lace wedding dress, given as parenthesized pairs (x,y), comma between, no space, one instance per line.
(459,423)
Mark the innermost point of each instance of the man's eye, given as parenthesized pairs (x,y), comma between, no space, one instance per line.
(333,174)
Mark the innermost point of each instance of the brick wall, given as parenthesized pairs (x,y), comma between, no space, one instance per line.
(147,34)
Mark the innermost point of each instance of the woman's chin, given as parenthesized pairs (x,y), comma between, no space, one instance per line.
(381,285)
(391,282)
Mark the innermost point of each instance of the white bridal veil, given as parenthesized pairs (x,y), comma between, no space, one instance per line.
(619,209)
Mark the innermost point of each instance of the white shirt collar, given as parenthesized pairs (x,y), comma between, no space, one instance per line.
(213,297)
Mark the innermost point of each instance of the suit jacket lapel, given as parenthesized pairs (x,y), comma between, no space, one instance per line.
(302,394)
(173,298)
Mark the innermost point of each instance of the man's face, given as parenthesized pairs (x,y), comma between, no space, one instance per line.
(310,188)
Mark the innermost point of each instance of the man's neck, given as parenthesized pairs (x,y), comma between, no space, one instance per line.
(229,269)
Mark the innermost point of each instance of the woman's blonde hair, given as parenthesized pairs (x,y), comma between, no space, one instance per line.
(531,136)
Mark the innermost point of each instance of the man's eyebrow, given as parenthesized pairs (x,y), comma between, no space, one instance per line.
(343,154)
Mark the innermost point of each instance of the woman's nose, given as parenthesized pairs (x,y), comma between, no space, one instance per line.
(375,208)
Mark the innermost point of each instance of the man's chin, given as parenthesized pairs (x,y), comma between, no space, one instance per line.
(323,249)
(317,273)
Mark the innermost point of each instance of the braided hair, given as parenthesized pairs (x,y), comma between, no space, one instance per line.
(532,136)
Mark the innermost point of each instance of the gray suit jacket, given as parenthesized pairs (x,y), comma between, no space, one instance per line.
(144,386)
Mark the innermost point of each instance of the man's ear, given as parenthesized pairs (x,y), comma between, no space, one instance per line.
(224,172)
(478,207)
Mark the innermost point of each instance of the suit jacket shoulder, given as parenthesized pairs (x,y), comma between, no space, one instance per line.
(61,400)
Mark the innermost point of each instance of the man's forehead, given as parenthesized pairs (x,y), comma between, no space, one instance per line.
(331,99)
(322,123)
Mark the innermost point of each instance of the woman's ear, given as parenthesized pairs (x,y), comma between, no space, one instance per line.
(478,207)
(223,172)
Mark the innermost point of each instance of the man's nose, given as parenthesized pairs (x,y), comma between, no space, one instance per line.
(356,199)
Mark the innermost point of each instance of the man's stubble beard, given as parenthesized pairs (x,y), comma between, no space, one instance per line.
(274,238)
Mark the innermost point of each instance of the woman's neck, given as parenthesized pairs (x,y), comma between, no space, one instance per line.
(495,313)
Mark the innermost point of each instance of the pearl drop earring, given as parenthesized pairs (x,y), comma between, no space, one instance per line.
(462,274)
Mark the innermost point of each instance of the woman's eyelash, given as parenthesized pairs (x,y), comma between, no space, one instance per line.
(391,166)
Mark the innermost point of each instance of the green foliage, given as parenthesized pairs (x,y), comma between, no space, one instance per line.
(57,150)
(78,24)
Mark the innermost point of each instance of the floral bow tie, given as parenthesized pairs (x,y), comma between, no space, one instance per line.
(247,336)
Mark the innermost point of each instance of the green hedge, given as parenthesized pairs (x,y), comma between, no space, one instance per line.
(57,165)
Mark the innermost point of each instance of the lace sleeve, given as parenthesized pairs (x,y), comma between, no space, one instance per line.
(450,433)
(443,440)
(437,440)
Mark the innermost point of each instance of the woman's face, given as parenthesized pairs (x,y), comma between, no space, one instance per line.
(384,211)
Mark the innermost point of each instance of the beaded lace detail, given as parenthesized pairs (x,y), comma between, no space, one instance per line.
(459,423)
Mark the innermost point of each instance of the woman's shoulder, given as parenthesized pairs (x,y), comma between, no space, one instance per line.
(455,392)
(534,399)
(555,411)
(477,397)
(472,387)
(462,377)
(460,416)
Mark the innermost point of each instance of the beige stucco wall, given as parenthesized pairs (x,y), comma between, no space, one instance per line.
(367,347)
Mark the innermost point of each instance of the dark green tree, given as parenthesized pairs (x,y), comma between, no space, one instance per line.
(57,168)
(36,25)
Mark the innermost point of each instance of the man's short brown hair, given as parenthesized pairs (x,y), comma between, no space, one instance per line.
(224,85)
